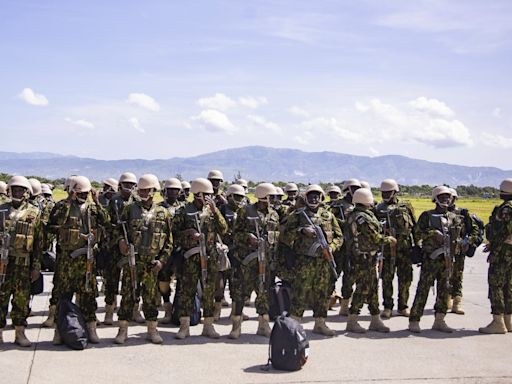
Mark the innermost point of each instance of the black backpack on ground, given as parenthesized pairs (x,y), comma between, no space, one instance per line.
(279,299)
(71,325)
(195,316)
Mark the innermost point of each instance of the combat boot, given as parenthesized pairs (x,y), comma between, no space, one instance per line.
(20,337)
(184,330)
(263,326)
(508,322)
(377,325)
(136,315)
(109,314)
(50,321)
(440,325)
(386,313)
(208,329)
(244,316)
(168,313)
(153,334)
(122,334)
(414,326)
(237,327)
(344,307)
(93,336)
(497,325)
(457,305)
(353,325)
(449,301)
(57,340)
(216,311)
(321,328)
(403,312)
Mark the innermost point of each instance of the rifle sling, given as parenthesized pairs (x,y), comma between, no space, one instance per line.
(78,252)
(250,257)
(191,252)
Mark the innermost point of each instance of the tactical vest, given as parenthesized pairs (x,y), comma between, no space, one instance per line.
(268,225)
(81,221)
(399,218)
(363,243)
(448,224)
(496,230)
(309,246)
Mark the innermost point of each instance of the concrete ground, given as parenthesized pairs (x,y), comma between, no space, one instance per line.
(398,357)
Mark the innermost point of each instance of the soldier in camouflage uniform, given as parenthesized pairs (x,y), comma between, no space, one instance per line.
(292,192)
(3,192)
(148,229)
(256,233)
(20,230)
(185,192)
(312,275)
(117,203)
(110,188)
(399,221)
(439,234)
(76,220)
(365,241)
(171,192)
(197,220)
(499,235)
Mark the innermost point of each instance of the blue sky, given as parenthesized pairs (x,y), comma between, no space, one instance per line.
(158,79)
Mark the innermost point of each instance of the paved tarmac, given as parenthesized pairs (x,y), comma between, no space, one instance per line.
(398,357)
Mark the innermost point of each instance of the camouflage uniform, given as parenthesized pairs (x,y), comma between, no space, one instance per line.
(245,276)
(399,222)
(165,275)
(311,270)
(149,230)
(212,225)
(24,227)
(230,212)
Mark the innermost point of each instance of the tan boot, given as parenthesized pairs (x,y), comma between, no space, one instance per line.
(208,329)
(122,333)
(414,326)
(153,334)
(344,303)
(93,336)
(109,314)
(244,316)
(377,325)
(263,326)
(403,312)
(184,330)
(497,325)
(440,325)
(216,311)
(353,325)
(457,305)
(57,340)
(20,337)
(50,321)
(508,322)
(137,317)
(449,301)
(237,327)
(386,313)
(321,328)
(168,314)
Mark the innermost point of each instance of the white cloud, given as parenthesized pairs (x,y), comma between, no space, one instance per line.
(80,123)
(432,106)
(373,151)
(135,123)
(252,102)
(497,112)
(304,138)
(30,97)
(220,102)
(496,141)
(215,121)
(144,101)
(332,126)
(297,111)
(261,121)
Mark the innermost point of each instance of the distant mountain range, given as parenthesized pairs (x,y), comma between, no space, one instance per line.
(258,163)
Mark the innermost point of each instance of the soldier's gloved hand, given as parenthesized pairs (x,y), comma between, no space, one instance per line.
(210,201)
(123,247)
(34,275)
(252,240)
(308,232)
(157,265)
(438,236)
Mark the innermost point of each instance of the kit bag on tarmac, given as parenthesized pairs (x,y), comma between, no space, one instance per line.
(195,316)
(71,325)
(280,299)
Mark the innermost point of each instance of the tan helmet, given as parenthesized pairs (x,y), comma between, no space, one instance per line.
(148,181)
(185,185)
(315,188)
(279,191)
(454,193)
(235,189)
(263,190)
(112,183)
(36,186)
(215,174)
(172,183)
(242,182)
(363,196)
(365,184)
(69,182)
(440,190)
(351,183)
(389,185)
(291,187)
(201,185)
(506,186)
(80,184)
(19,181)
(46,190)
(333,188)
(3,188)
(128,177)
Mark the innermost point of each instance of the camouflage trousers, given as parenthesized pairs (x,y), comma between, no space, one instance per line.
(17,284)
(457,274)
(71,280)
(366,280)
(499,278)
(347,280)
(245,279)
(112,277)
(189,275)
(147,288)
(402,266)
(310,284)
(431,271)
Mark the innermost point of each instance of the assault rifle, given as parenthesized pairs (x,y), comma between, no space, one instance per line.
(203,256)
(90,254)
(5,237)
(131,254)
(262,244)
